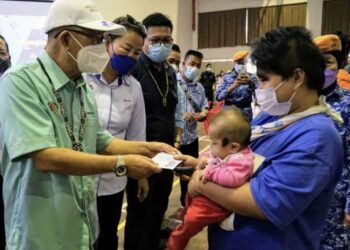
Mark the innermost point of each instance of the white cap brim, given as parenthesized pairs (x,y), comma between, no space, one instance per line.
(104,26)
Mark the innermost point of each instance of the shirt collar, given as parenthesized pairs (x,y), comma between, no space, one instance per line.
(120,80)
(58,77)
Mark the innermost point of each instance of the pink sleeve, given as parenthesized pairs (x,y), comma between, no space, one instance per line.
(234,173)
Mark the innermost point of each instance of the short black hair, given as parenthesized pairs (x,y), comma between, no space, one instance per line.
(130,23)
(193,53)
(157,19)
(234,126)
(208,64)
(6,44)
(284,49)
(176,48)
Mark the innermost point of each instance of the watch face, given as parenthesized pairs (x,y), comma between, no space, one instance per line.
(120,170)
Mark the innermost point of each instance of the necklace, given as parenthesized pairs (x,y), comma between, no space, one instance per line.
(164,96)
(77,144)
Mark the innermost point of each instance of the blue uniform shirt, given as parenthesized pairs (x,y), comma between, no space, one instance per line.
(335,235)
(241,96)
(293,187)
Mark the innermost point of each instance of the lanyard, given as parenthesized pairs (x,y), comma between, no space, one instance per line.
(77,145)
(189,98)
(164,101)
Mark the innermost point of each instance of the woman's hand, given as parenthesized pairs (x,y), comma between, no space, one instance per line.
(187,160)
(142,189)
(195,183)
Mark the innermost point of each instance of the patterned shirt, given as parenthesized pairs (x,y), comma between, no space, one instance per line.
(197,93)
(241,96)
(334,235)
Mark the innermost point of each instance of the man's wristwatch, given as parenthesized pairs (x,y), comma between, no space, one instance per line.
(120,168)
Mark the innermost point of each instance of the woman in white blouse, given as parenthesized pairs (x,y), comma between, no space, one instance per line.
(122,112)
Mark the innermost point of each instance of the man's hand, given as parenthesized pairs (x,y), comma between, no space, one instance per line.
(190,117)
(142,189)
(234,85)
(140,166)
(244,80)
(154,148)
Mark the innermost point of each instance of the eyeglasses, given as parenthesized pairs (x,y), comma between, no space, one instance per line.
(158,41)
(95,37)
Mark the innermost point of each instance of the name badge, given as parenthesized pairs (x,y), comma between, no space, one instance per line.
(258,160)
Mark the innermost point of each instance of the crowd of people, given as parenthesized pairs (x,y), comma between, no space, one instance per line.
(80,124)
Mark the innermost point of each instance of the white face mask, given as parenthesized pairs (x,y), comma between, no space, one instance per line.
(267,100)
(91,58)
(191,73)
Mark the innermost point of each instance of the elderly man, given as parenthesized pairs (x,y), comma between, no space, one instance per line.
(5,63)
(5,58)
(51,133)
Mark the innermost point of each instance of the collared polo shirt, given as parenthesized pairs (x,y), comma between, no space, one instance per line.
(46,210)
(122,112)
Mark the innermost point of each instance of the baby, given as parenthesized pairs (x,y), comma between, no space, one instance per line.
(230,164)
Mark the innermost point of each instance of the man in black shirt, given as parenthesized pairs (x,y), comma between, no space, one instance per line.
(159,86)
(207,79)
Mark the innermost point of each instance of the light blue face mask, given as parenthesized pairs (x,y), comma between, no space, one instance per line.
(191,73)
(159,52)
(238,67)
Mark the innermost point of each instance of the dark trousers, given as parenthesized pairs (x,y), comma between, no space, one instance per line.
(190,149)
(2,222)
(144,219)
(109,210)
(209,94)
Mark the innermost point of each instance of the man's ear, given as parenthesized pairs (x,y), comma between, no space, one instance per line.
(108,43)
(298,77)
(64,37)
(234,147)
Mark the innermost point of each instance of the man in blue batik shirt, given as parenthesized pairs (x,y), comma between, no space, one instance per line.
(196,107)
(237,88)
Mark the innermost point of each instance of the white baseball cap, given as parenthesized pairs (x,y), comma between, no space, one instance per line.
(81,13)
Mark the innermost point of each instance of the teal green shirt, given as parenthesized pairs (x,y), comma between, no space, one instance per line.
(46,211)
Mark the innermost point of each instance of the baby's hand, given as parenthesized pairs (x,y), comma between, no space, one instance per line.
(203,162)
(204,179)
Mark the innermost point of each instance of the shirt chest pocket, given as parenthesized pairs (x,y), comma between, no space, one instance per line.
(91,130)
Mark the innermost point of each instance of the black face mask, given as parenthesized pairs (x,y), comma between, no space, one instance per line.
(4,65)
